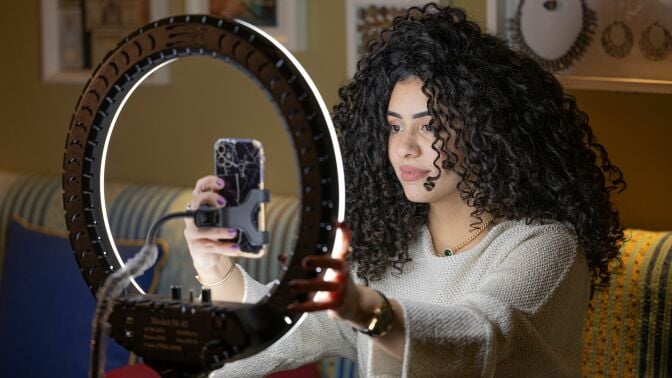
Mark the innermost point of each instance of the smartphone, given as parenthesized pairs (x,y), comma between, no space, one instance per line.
(240,163)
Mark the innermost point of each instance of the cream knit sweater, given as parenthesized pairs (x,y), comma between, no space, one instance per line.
(513,305)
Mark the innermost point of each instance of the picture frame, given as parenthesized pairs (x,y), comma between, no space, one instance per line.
(286,20)
(364,18)
(618,56)
(63,53)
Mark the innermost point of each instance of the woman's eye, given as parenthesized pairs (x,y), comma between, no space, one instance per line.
(428,127)
(395,128)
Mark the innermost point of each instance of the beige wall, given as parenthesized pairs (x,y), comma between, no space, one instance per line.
(181,120)
(165,133)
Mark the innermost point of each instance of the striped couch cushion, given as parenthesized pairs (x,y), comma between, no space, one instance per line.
(627,331)
(132,208)
(135,207)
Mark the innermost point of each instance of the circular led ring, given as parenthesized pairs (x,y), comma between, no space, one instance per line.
(311,131)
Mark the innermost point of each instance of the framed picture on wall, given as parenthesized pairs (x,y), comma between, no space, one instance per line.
(616,45)
(284,20)
(76,35)
(365,18)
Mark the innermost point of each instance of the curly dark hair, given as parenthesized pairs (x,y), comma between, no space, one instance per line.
(527,151)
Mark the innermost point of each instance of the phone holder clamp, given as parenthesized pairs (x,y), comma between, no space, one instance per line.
(240,216)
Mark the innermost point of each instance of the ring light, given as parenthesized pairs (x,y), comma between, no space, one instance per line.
(220,332)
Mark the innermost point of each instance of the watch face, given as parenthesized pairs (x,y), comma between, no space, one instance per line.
(383,318)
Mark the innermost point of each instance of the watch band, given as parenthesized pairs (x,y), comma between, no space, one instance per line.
(382,320)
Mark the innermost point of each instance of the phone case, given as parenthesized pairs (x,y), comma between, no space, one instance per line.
(240,163)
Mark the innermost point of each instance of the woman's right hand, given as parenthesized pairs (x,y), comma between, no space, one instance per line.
(208,245)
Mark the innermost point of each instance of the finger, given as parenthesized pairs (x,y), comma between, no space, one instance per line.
(208,184)
(212,232)
(282,258)
(333,315)
(343,236)
(311,306)
(216,245)
(209,246)
(207,198)
(306,286)
(336,270)
(324,261)
(193,232)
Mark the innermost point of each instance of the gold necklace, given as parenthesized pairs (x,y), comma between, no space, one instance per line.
(452,251)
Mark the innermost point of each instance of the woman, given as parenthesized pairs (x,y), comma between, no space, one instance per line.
(479,206)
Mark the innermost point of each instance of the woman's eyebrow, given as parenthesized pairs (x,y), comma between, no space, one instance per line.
(414,116)
(420,115)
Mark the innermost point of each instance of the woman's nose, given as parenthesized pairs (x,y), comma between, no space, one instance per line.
(407,146)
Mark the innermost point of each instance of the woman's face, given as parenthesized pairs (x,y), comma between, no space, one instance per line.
(410,146)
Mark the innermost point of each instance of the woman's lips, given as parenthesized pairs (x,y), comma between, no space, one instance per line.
(409,173)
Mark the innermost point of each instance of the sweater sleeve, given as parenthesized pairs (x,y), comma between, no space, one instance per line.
(314,338)
(532,303)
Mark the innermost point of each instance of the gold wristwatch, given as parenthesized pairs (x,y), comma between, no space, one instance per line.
(382,320)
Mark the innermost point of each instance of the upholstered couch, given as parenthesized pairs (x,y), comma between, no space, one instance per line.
(31,210)
(627,330)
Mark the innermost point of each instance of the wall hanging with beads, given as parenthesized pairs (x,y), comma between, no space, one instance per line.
(617,45)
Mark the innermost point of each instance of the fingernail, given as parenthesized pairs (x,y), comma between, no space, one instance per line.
(220,182)
(221,200)
(233,231)
(235,246)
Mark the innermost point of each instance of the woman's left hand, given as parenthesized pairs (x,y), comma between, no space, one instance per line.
(335,290)
(337,293)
